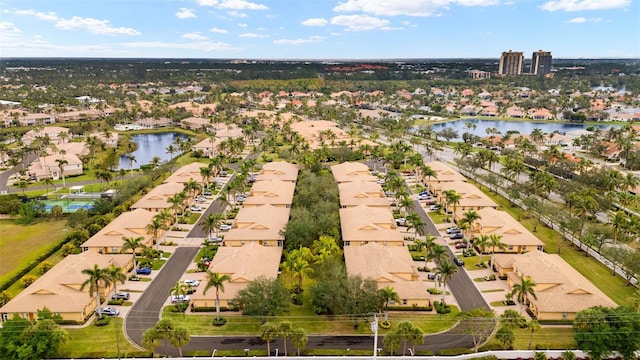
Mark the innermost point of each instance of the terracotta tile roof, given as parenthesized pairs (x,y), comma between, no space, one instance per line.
(187,172)
(259,223)
(496,222)
(352,171)
(128,224)
(365,223)
(157,197)
(274,192)
(278,170)
(362,193)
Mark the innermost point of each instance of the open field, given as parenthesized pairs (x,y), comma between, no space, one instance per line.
(23,243)
(547,338)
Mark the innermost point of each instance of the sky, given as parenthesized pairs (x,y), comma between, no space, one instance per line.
(318,29)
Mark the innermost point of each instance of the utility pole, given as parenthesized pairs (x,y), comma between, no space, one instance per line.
(374,328)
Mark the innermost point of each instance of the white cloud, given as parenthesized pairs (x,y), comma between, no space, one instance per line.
(7,27)
(253,35)
(194,36)
(218,31)
(315,22)
(242,25)
(310,39)
(577,20)
(233,4)
(49,16)
(185,13)
(360,22)
(236,14)
(203,45)
(407,8)
(95,26)
(580,5)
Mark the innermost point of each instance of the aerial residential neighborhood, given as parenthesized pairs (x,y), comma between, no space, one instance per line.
(473,203)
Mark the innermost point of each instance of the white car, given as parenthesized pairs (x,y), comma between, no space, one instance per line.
(401,221)
(179,298)
(191,282)
(434,208)
(110,311)
(196,208)
(424,197)
(225,227)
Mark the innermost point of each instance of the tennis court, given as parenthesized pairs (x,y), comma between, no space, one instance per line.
(68,206)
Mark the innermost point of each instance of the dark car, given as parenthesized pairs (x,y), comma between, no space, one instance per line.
(457,235)
(461,245)
(431,276)
(143,271)
(458,261)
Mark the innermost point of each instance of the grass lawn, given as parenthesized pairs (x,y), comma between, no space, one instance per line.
(613,286)
(26,242)
(98,342)
(556,338)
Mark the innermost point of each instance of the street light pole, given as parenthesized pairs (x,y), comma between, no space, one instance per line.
(374,328)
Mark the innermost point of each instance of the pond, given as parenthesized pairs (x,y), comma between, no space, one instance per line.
(524,127)
(150,145)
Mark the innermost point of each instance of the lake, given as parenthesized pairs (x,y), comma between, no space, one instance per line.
(150,145)
(524,127)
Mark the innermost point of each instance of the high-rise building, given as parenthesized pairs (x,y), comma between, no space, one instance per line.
(541,62)
(511,63)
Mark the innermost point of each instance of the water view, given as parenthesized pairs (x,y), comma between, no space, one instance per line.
(503,126)
(150,145)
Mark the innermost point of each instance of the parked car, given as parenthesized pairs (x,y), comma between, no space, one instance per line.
(215,239)
(110,311)
(143,271)
(196,208)
(458,261)
(200,199)
(424,192)
(431,276)
(455,236)
(206,193)
(401,221)
(224,173)
(191,282)
(179,298)
(380,181)
(225,227)
(241,198)
(389,193)
(120,295)
(424,197)
(434,207)
(461,245)
(452,230)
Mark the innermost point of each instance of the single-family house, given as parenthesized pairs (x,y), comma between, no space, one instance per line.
(55,166)
(55,134)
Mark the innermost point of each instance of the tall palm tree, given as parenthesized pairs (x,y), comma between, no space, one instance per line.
(481,243)
(445,270)
(453,199)
(179,337)
(470,217)
(212,223)
(116,275)
(96,276)
(132,159)
(132,243)
(524,289)
(284,330)
(268,332)
(299,339)
(154,226)
(495,241)
(216,280)
(61,163)
(387,295)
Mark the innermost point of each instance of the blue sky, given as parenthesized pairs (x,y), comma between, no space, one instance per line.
(318,29)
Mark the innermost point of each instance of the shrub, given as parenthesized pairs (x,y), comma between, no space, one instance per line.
(28,280)
(219,321)
(406,308)
(434,291)
(115,302)
(441,308)
(44,267)
(103,321)
(386,324)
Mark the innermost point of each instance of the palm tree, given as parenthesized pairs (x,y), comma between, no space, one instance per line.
(453,199)
(268,332)
(216,280)
(481,243)
(470,217)
(131,159)
(387,295)
(445,270)
(47,182)
(416,223)
(116,275)
(523,290)
(297,263)
(533,326)
(212,223)
(299,339)
(284,330)
(131,243)
(154,226)
(495,242)
(179,337)
(150,339)
(61,163)
(96,276)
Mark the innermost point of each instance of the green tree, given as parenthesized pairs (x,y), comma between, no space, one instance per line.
(533,325)
(299,339)
(132,243)
(116,275)
(506,337)
(524,289)
(392,342)
(263,297)
(445,270)
(268,332)
(217,281)
(22,340)
(601,331)
(212,223)
(387,295)
(96,276)
(284,331)
(179,338)
(452,199)
(479,323)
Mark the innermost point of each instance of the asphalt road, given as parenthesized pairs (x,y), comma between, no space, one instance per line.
(146,310)
(4,176)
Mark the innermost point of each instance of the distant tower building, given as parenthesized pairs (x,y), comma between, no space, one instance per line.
(541,62)
(511,63)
